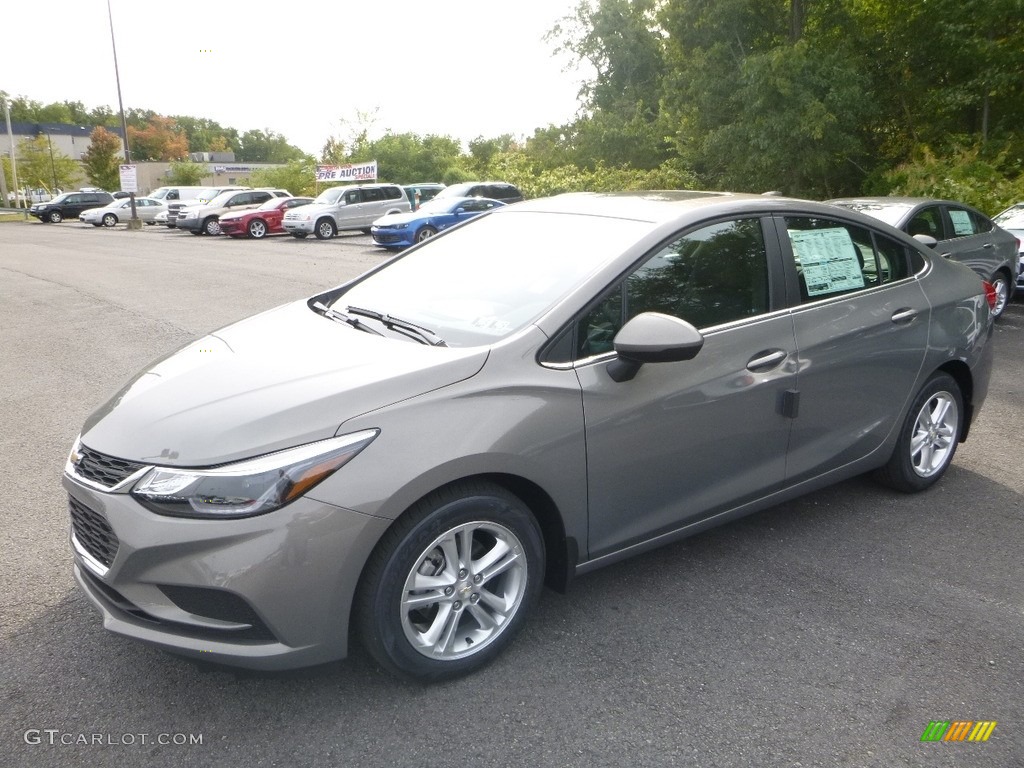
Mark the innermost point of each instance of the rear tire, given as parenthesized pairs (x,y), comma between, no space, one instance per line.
(928,437)
(451,582)
(1001,285)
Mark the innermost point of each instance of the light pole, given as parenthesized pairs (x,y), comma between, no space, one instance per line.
(134,223)
(14,162)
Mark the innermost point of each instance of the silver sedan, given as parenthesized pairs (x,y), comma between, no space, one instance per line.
(538,392)
(120,211)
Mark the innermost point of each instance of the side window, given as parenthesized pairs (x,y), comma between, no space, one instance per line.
(372,195)
(353,196)
(963,223)
(710,276)
(260,197)
(75,199)
(981,223)
(243,198)
(392,193)
(927,221)
(172,195)
(833,258)
(893,260)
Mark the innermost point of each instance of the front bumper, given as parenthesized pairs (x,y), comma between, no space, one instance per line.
(296,226)
(267,592)
(192,225)
(233,227)
(391,238)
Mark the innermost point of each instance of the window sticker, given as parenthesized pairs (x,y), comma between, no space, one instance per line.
(828,260)
(961,222)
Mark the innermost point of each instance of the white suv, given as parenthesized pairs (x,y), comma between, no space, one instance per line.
(341,208)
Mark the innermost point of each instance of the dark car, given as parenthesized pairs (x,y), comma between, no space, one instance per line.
(956,231)
(495,190)
(69,205)
(399,230)
(419,194)
(260,222)
(408,457)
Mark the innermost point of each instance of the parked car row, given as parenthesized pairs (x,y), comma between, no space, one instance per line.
(401,216)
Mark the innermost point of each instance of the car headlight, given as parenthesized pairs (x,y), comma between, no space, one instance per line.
(188,214)
(250,487)
(399,226)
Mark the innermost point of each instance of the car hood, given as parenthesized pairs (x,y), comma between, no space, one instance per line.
(236,215)
(393,219)
(281,378)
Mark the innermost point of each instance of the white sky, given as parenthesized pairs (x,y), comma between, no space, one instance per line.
(462,68)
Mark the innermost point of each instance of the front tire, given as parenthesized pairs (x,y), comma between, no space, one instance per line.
(928,438)
(211,226)
(109,220)
(56,217)
(425,233)
(325,229)
(257,229)
(451,582)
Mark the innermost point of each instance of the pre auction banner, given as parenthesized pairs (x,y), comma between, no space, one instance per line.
(357,172)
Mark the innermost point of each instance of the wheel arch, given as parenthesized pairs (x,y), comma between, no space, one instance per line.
(561,552)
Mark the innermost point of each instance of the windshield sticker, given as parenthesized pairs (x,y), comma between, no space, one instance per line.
(828,260)
(961,222)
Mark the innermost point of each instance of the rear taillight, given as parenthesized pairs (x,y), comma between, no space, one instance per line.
(990,294)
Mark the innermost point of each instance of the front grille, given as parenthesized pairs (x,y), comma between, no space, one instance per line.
(93,532)
(102,469)
(382,238)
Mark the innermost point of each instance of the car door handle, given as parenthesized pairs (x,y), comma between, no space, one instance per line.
(904,315)
(987,245)
(765,360)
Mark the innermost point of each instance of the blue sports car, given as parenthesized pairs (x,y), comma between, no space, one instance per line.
(398,230)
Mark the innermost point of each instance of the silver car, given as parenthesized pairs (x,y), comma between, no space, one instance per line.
(1012,220)
(546,389)
(954,230)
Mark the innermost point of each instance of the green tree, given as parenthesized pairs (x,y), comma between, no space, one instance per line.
(267,147)
(103,158)
(297,176)
(40,165)
(186,173)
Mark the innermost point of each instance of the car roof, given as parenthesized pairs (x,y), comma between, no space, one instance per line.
(895,200)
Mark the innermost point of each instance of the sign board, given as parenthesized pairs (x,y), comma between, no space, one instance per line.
(129,178)
(351,172)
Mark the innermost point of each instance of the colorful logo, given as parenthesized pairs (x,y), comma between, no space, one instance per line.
(958,730)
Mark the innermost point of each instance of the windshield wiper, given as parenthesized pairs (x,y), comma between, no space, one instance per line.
(341,317)
(411,330)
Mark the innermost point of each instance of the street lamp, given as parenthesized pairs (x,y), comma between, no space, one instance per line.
(135,223)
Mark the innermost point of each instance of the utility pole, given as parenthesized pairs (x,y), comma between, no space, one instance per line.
(14,162)
(134,222)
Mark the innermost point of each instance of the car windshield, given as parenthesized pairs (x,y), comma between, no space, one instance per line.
(456,190)
(436,206)
(485,281)
(330,196)
(272,204)
(1012,216)
(204,195)
(160,194)
(890,213)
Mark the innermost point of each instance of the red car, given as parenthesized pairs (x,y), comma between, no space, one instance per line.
(262,221)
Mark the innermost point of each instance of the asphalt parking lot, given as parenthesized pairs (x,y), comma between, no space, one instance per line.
(829,631)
